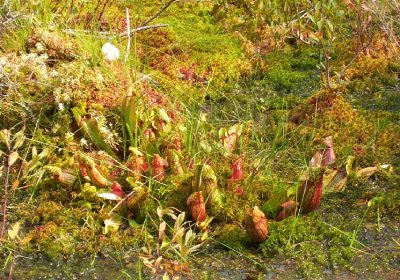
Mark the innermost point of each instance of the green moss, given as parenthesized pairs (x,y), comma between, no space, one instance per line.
(202,42)
(304,59)
(232,237)
(283,79)
(309,270)
(292,72)
(313,244)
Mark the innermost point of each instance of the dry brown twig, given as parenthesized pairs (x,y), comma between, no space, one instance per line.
(110,35)
(129,32)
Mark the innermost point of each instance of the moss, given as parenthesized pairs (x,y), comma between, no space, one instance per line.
(192,43)
(61,232)
(308,270)
(232,237)
(283,79)
(304,59)
(341,256)
(89,193)
(313,244)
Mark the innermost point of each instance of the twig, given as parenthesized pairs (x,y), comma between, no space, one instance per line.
(142,28)
(159,13)
(359,51)
(128,45)
(110,35)
(102,10)
(4,210)
(10,272)
(327,68)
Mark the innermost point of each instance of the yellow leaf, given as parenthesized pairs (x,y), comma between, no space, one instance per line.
(5,137)
(18,139)
(12,158)
(13,232)
(26,240)
(14,185)
(111,225)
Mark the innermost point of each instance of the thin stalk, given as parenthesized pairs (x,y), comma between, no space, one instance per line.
(327,68)
(102,10)
(128,45)
(360,49)
(5,203)
(10,272)
(110,35)
(159,12)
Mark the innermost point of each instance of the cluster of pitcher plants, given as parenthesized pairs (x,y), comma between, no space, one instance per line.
(156,155)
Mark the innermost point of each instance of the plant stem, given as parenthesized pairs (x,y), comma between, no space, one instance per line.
(128,45)
(360,49)
(327,68)
(10,272)
(110,35)
(4,211)
(159,12)
(102,10)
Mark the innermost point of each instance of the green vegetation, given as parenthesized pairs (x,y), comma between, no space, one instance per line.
(260,135)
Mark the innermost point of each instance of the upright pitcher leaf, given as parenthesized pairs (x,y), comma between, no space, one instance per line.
(197,207)
(159,168)
(256,224)
(324,157)
(310,193)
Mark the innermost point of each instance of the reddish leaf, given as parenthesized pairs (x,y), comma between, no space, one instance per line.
(237,170)
(83,169)
(197,207)
(329,156)
(149,135)
(288,209)
(239,191)
(159,168)
(138,167)
(310,193)
(325,157)
(188,74)
(117,190)
(237,175)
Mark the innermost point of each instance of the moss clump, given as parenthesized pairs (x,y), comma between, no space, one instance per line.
(285,80)
(52,44)
(282,235)
(54,240)
(292,72)
(314,245)
(232,237)
(304,59)
(341,256)
(62,231)
(309,270)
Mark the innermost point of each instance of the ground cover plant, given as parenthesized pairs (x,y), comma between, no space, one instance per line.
(199,139)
